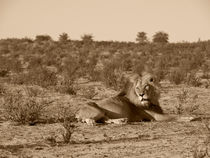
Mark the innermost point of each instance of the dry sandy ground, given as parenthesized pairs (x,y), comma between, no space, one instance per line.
(142,139)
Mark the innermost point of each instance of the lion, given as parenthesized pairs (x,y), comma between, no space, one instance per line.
(137,101)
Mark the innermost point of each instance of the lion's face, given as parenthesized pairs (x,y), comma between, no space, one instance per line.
(146,89)
(142,90)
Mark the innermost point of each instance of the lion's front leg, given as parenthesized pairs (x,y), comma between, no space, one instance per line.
(119,121)
(90,114)
(167,117)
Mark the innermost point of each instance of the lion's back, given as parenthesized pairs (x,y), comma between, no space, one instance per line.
(117,107)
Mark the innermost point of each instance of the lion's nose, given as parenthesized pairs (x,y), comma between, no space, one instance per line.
(147,87)
(141,94)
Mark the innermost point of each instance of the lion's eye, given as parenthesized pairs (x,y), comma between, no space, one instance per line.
(151,80)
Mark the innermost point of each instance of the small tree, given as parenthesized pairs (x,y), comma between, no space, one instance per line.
(87,38)
(40,38)
(63,37)
(160,37)
(141,37)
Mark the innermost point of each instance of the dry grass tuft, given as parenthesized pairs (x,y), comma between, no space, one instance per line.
(185,103)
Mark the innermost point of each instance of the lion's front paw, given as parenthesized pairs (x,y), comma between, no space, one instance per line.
(186,119)
(90,122)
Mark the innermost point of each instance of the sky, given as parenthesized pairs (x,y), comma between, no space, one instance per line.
(117,20)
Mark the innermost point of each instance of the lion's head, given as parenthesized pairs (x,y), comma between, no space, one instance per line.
(142,90)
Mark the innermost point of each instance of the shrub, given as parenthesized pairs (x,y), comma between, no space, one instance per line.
(87,38)
(186,104)
(9,64)
(90,69)
(112,75)
(177,76)
(34,61)
(71,68)
(40,38)
(67,86)
(160,37)
(38,76)
(52,139)
(63,38)
(194,106)
(182,100)
(20,107)
(68,124)
(205,69)
(69,129)
(193,80)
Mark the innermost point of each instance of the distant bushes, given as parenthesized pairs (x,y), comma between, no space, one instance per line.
(9,64)
(28,61)
(179,75)
(40,76)
(41,38)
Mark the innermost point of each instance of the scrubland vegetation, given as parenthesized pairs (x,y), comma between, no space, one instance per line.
(58,64)
(41,65)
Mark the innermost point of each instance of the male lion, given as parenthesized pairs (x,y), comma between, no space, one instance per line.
(138,101)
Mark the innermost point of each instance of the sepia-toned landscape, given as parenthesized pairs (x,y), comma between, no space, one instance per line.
(104,79)
(43,83)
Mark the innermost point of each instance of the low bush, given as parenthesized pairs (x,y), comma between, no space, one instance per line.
(177,76)
(193,80)
(182,100)
(69,129)
(67,86)
(185,103)
(21,107)
(68,123)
